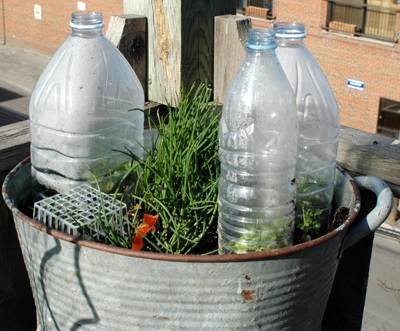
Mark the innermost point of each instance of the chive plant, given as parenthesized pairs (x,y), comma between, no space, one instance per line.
(178,182)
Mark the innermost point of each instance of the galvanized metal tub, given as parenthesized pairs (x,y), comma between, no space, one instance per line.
(81,284)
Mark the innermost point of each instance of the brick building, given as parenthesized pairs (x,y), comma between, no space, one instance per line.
(354,41)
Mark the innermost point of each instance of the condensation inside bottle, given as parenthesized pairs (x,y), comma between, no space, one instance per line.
(80,111)
(258,149)
(319,122)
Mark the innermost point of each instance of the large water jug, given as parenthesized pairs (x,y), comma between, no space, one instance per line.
(81,113)
(319,123)
(258,153)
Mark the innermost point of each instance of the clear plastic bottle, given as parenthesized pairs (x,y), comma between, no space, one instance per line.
(258,153)
(80,111)
(319,122)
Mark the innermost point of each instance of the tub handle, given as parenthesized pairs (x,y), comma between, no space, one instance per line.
(376,217)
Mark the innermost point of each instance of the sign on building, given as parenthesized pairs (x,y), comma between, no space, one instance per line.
(355,84)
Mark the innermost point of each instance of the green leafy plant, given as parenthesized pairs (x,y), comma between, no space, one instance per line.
(309,225)
(268,241)
(178,182)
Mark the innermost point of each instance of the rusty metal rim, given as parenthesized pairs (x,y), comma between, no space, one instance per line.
(171,257)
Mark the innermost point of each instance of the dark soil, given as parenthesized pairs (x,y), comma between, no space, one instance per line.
(339,218)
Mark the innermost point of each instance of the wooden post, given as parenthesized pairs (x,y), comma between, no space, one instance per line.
(180,42)
(231,35)
(129,34)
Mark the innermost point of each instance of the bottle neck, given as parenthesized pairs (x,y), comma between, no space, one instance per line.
(282,42)
(270,51)
(87,24)
(87,33)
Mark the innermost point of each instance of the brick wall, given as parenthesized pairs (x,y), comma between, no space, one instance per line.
(376,65)
(340,57)
(46,35)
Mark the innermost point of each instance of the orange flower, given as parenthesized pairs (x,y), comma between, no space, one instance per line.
(148,225)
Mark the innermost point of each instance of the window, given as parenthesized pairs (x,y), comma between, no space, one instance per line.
(389,118)
(255,8)
(368,18)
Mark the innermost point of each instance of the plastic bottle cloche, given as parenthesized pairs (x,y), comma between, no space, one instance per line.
(81,111)
(258,153)
(319,123)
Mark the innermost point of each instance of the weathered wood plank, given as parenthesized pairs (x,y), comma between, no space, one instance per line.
(231,35)
(363,153)
(14,144)
(129,34)
(181,42)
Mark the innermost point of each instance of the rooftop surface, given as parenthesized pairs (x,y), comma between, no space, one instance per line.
(19,71)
